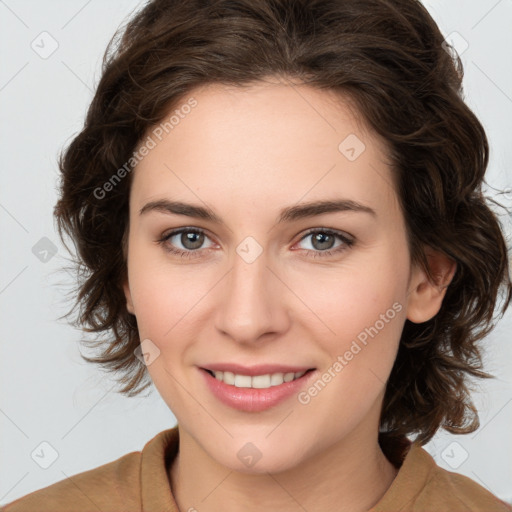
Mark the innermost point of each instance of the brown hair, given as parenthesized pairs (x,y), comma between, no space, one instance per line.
(388,57)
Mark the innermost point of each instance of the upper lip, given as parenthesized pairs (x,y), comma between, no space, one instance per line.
(260,369)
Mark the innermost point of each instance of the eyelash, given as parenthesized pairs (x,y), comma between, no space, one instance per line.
(347,242)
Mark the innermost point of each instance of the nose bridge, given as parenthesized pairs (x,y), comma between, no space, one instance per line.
(250,305)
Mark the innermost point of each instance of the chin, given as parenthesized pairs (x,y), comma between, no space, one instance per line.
(255,455)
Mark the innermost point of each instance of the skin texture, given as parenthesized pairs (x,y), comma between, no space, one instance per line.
(246,154)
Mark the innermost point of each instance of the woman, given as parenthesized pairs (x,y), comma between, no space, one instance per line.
(278,208)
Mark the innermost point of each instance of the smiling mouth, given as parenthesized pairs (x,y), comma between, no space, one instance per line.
(256,381)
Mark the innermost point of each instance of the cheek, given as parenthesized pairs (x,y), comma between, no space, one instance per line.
(343,306)
(165,298)
(361,354)
(360,316)
(162,293)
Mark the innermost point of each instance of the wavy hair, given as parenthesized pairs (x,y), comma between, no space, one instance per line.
(388,57)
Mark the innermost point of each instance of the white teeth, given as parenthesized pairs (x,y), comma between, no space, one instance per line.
(261,381)
(276,379)
(243,381)
(227,377)
(258,381)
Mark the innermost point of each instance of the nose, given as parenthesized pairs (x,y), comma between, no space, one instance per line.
(252,305)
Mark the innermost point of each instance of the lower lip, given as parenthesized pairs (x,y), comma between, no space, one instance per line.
(251,399)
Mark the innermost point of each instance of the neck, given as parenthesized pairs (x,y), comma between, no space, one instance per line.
(351,476)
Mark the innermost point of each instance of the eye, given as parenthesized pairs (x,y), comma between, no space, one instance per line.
(323,242)
(190,238)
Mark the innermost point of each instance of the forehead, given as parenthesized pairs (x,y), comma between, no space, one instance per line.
(269,141)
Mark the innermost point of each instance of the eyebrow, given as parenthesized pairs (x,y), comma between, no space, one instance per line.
(289,214)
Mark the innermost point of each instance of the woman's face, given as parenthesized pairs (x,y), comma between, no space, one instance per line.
(268,281)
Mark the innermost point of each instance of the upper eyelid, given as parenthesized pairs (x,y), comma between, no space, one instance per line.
(176,231)
(335,232)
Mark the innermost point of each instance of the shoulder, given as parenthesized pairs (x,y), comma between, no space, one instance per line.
(460,491)
(423,486)
(112,486)
(123,484)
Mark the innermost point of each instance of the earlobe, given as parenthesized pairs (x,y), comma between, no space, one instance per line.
(128,295)
(425,298)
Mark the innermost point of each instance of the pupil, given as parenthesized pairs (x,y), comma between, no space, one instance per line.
(188,238)
(321,237)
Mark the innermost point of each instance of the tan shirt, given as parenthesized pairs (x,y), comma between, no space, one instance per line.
(138,482)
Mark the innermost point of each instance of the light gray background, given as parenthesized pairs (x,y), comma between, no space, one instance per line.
(47,392)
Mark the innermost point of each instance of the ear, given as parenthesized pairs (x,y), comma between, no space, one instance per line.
(126,284)
(128,295)
(425,298)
